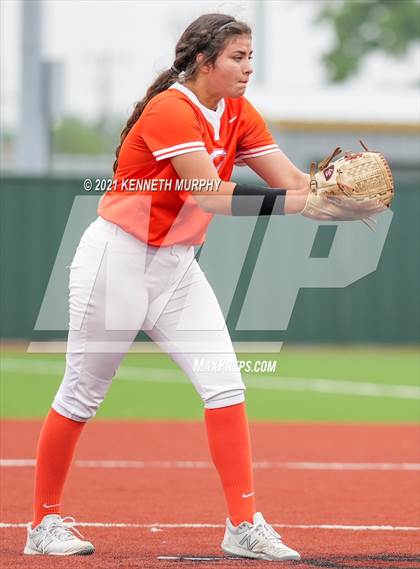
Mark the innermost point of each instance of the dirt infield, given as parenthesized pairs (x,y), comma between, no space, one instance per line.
(157,476)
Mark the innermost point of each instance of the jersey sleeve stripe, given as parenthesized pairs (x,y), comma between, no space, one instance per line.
(240,157)
(255,150)
(179,152)
(178,147)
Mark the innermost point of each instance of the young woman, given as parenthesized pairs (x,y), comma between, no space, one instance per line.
(135,269)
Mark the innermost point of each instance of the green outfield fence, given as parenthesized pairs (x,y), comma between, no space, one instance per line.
(381,308)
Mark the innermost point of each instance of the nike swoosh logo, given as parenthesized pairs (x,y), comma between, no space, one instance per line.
(232,119)
(248,495)
(50,505)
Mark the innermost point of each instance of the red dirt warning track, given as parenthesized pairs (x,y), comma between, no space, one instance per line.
(163,491)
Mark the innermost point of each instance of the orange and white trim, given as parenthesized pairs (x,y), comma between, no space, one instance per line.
(178,149)
(254,152)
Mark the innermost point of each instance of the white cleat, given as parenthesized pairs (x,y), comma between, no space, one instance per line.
(53,536)
(257,541)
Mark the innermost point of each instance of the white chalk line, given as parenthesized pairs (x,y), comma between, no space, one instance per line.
(201,464)
(256,381)
(163,526)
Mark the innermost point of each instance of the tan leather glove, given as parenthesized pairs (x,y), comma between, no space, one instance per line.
(356,186)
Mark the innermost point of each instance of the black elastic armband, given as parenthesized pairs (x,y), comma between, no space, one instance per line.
(249,200)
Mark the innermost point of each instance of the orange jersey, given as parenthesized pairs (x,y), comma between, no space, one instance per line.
(148,203)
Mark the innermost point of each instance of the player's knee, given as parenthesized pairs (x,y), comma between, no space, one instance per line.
(80,396)
(80,407)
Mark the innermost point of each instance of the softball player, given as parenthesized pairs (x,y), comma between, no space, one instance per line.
(135,269)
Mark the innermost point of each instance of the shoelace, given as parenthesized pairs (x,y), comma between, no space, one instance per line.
(268,533)
(58,529)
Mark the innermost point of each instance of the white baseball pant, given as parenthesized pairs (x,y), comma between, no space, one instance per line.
(120,285)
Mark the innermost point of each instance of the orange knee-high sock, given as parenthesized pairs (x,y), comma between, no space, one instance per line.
(230,448)
(56,445)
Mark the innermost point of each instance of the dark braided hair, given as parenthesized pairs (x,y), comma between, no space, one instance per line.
(207,35)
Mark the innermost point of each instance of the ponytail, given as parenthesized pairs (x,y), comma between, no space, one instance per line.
(163,82)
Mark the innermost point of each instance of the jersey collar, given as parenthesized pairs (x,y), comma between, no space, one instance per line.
(213,117)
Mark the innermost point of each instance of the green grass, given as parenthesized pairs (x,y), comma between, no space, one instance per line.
(151,386)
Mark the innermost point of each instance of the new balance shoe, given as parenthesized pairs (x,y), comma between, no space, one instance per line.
(257,541)
(55,536)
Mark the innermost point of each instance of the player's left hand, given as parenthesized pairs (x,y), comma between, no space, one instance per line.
(356,186)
